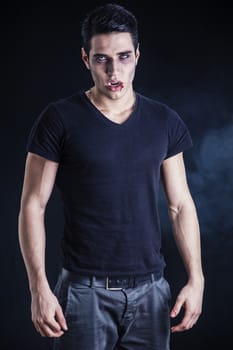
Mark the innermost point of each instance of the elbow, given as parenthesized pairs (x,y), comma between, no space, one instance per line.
(177,209)
(31,206)
(174,211)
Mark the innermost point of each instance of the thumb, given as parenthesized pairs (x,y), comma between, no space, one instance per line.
(177,307)
(60,318)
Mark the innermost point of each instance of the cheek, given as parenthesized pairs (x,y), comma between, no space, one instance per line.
(99,69)
(131,72)
(129,65)
(96,74)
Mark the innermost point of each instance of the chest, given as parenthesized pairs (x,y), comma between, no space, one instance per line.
(107,151)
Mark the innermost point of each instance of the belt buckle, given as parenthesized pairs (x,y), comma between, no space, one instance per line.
(111,288)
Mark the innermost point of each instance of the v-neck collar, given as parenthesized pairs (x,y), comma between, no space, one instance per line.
(108,121)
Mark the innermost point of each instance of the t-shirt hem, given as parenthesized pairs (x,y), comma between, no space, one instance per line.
(159,270)
(43,154)
(179,150)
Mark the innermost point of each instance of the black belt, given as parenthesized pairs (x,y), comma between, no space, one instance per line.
(110,282)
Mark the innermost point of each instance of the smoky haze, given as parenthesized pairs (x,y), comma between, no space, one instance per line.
(210,161)
(187,62)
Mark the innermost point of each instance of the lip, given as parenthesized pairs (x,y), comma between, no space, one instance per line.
(115,85)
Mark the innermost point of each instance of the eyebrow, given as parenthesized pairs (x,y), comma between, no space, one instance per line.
(119,53)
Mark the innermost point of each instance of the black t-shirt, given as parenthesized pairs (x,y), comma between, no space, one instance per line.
(108,176)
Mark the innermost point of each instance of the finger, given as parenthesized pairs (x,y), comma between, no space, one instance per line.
(37,328)
(184,324)
(47,326)
(192,324)
(46,331)
(40,330)
(194,320)
(61,319)
(52,324)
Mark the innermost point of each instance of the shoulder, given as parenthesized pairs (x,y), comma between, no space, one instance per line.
(154,104)
(68,101)
(59,110)
(159,110)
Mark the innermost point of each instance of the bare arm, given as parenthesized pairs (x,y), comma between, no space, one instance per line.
(186,232)
(38,184)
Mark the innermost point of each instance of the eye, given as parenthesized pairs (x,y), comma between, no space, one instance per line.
(101,59)
(124,56)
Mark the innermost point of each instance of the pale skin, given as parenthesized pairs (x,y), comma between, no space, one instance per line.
(112,58)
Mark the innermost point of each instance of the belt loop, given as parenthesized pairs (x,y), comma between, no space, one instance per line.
(92,281)
(152,277)
(132,282)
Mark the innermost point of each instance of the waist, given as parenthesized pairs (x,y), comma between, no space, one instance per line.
(110,282)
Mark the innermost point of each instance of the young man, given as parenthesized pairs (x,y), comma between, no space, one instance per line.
(105,149)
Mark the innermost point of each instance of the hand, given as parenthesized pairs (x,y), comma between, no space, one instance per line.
(190,298)
(47,314)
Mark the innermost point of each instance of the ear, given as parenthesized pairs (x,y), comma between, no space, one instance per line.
(85,58)
(137,54)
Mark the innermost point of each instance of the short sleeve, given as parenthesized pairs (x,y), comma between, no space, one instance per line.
(47,135)
(179,138)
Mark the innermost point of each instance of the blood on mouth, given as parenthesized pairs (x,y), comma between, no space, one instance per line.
(115,85)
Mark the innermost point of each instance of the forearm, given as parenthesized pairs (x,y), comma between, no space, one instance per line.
(187,237)
(47,314)
(186,232)
(32,244)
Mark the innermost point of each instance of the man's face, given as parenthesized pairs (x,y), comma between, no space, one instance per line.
(112,61)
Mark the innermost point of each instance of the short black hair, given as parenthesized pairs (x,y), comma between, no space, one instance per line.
(108,18)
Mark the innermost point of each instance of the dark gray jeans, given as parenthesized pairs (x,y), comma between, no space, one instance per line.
(128,319)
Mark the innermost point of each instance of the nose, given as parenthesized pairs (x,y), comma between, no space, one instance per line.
(112,67)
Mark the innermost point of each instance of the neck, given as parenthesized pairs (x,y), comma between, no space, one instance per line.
(116,110)
(105,103)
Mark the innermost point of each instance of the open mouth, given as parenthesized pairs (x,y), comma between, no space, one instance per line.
(115,85)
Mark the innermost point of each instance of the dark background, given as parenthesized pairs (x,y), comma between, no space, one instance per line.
(187,62)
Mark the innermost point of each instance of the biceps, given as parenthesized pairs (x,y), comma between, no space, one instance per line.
(39,179)
(174,180)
